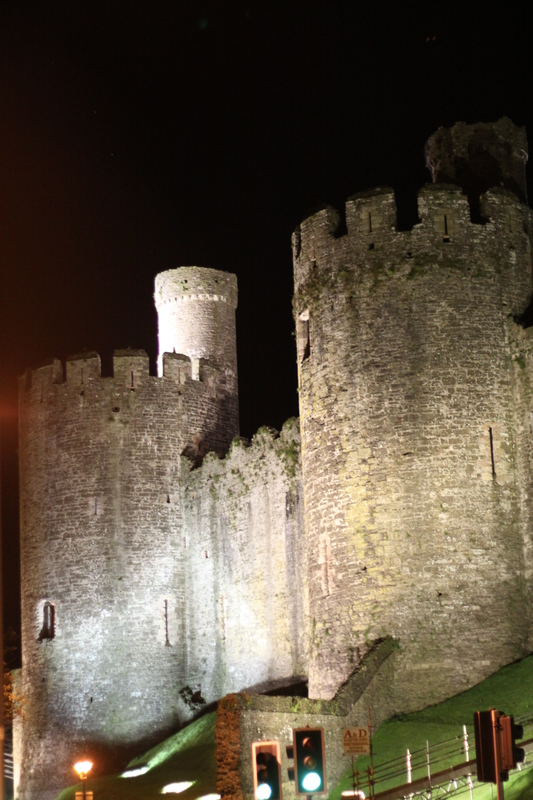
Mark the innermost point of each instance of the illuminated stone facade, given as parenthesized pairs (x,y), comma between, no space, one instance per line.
(150,587)
(156,578)
(415,403)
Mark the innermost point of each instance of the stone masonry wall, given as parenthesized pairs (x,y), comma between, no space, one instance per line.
(247,620)
(101,521)
(243,719)
(196,318)
(412,465)
(169,585)
(480,156)
(521,344)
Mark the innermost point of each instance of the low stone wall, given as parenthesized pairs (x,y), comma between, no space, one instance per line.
(243,719)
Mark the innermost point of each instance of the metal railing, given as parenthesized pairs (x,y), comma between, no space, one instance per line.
(436,780)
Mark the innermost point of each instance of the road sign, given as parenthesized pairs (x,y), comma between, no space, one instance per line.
(356,741)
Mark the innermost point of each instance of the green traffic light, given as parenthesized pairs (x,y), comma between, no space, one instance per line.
(311,782)
(309,760)
(264,792)
(266,768)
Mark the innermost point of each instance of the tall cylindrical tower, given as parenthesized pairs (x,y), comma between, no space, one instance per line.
(412,438)
(196,316)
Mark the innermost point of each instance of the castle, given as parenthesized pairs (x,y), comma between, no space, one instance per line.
(166,562)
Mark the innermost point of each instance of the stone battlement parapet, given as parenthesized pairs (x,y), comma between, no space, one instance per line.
(284,445)
(188,284)
(130,370)
(372,240)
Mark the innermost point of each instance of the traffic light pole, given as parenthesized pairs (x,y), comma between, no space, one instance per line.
(497,753)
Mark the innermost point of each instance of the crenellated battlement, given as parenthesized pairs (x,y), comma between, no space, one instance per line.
(372,240)
(415,408)
(130,371)
(187,284)
(371,213)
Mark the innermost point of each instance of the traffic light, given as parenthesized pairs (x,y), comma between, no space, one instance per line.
(496,750)
(511,754)
(266,769)
(309,761)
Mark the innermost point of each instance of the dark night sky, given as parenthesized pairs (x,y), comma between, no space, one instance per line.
(141,136)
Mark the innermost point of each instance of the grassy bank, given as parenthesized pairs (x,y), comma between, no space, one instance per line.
(189,754)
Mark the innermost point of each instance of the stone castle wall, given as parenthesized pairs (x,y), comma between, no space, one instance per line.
(100,515)
(243,719)
(163,598)
(109,564)
(247,624)
(411,438)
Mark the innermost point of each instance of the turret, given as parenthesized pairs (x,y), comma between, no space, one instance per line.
(196,316)
(480,157)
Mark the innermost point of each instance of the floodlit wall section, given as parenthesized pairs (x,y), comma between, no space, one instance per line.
(414,477)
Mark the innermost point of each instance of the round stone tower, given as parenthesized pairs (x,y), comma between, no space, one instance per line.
(104,646)
(416,466)
(196,316)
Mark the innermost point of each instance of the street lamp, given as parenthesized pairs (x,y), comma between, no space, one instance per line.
(82,768)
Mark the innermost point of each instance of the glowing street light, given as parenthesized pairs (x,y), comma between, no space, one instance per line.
(82,768)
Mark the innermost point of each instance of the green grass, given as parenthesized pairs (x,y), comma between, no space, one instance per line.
(189,754)
(510,690)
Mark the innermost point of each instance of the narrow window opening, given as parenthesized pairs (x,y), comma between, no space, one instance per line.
(206,554)
(371,246)
(168,501)
(492,452)
(132,387)
(82,374)
(95,506)
(303,338)
(446,237)
(307,344)
(48,629)
(370,222)
(167,640)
